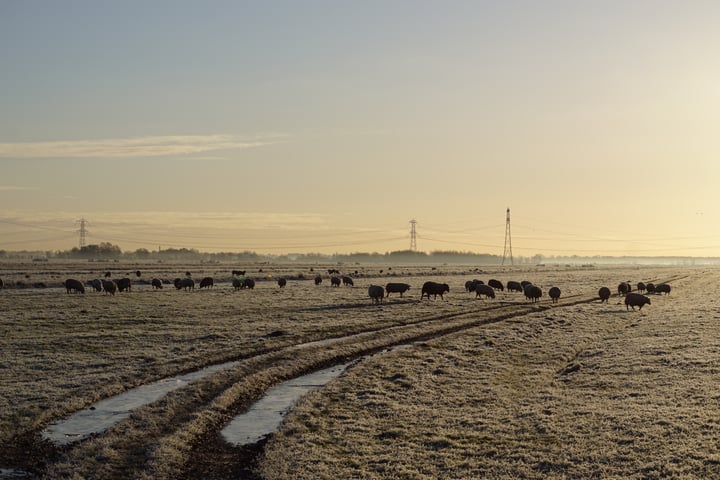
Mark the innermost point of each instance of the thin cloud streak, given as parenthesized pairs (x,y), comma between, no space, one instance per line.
(155,146)
(15,188)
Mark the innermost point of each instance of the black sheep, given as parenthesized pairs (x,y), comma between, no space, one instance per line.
(96,284)
(496,284)
(554,293)
(604,294)
(434,288)
(635,300)
(396,288)
(533,292)
(184,283)
(513,286)
(376,293)
(124,284)
(486,290)
(76,285)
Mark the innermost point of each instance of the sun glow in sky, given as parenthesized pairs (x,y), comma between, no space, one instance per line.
(326,126)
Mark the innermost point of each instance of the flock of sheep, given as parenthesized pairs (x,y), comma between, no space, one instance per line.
(377,292)
(125,284)
(531,292)
(635,299)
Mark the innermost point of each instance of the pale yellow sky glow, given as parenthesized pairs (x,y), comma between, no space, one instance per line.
(294,127)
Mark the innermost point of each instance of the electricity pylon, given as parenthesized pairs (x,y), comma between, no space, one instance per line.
(507,251)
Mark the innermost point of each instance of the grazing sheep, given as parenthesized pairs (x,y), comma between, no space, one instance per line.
(281,282)
(156,284)
(138,273)
(470,285)
(486,290)
(248,283)
(525,283)
(186,283)
(663,288)
(650,288)
(513,286)
(110,287)
(496,284)
(347,281)
(532,292)
(435,289)
(640,287)
(124,284)
(396,288)
(239,273)
(318,280)
(96,284)
(623,288)
(376,293)
(207,282)
(74,285)
(334,281)
(604,294)
(554,293)
(237,283)
(635,300)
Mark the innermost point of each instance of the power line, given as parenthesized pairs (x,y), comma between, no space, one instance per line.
(276,246)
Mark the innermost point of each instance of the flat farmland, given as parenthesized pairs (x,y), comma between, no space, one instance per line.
(501,388)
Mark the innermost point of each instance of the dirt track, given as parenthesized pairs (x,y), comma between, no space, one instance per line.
(63,352)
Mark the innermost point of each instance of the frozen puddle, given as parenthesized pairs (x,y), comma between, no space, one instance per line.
(10,473)
(106,413)
(265,416)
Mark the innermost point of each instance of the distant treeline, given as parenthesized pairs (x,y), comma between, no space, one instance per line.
(109,252)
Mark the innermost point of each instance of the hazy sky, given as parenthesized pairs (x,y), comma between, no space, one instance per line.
(326,126)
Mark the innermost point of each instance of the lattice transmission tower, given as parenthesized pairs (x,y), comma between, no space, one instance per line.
(507,251)
(413,236)
(82,231)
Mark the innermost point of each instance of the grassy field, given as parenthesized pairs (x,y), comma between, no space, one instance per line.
(576,390)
